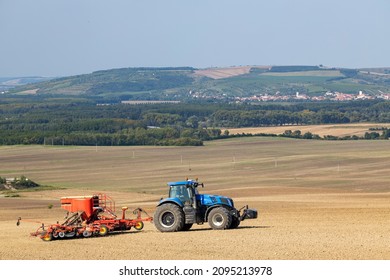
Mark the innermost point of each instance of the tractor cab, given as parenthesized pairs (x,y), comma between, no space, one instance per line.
(185,191)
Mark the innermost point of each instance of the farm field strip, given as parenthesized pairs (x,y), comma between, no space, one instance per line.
(358,129)
(256,159)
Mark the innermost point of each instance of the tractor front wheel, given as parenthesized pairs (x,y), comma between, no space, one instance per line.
(220,218)
(168,218)
(235,222)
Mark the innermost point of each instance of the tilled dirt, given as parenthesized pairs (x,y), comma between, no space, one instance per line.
(302,225)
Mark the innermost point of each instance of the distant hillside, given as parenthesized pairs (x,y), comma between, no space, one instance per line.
(187,83)
(115,80)
(7,83)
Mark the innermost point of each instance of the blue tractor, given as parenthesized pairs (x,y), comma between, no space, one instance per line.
(185,207)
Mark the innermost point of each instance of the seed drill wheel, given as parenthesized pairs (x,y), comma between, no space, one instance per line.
(70,234)
(87,233)
(168,218)
(220,218)
(103,230)
(139,225)
(55,234)
(46,236)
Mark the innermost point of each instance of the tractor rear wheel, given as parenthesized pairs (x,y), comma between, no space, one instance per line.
(168,218)
(220,218)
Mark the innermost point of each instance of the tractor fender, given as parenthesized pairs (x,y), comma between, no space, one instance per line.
(215,206)
(176,201)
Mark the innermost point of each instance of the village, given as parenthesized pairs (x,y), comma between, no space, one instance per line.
(278,96)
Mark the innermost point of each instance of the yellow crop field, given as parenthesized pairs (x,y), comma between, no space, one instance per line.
(358,129)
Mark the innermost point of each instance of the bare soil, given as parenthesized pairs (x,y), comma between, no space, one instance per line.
(320,224)
(316,199)
(221,73)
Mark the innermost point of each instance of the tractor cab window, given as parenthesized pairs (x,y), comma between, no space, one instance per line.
(181,192)
(194,191)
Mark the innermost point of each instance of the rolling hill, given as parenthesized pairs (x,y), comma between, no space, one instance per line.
(183,83)
(7,83)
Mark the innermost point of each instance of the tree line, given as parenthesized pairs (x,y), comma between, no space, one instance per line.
(85,123)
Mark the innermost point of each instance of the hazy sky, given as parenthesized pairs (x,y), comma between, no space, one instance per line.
(67,37)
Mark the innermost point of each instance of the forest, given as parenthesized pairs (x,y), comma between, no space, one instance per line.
(69,121)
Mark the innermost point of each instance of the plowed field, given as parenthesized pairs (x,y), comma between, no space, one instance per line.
(316,199)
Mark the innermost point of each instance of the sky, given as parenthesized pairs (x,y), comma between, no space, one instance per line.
(68,37)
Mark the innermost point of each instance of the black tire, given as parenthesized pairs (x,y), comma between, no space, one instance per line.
(54,234)
(87,233)
(168,218)
(235,223)
(70,234)
(186,227)
(220,218)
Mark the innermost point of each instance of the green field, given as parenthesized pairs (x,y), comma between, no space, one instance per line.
(225,164)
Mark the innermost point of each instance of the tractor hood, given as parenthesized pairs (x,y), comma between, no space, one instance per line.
(209,200)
